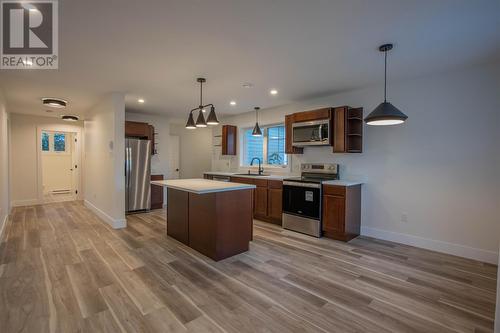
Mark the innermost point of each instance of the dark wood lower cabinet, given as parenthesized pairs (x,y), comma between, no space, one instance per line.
(267,198)
(260,202)
(177,226)
(218,225)
(156,193)
(341,212)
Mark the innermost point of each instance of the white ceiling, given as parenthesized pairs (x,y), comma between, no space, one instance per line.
(155,49)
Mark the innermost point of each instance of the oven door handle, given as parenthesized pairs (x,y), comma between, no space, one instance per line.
(297,184)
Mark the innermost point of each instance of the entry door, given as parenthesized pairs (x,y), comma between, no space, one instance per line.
(173,157)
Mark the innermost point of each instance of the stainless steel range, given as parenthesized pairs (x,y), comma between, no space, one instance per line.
(302,197)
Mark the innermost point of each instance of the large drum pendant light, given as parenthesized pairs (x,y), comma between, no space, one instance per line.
(385,113)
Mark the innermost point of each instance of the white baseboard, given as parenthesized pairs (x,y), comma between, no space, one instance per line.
(21,203)
(115,223)
(432,244)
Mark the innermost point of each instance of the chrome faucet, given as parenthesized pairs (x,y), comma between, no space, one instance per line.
(261,169)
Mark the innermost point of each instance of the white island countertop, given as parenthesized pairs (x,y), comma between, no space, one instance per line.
(202,186)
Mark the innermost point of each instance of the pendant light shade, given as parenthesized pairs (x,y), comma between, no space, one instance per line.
(385,113)
(256,130)
(190,123)
(200,121)
(212,117)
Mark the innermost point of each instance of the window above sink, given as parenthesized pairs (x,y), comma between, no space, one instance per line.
(270,147)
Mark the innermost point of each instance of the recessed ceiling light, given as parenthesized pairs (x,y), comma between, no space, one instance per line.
(54,102)
(140,100)
(273,92)
(247,85)
(69,118)
(232,102)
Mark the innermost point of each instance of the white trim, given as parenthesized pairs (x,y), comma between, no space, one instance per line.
(21,203)
(115,223)
(2,228)
(432,244)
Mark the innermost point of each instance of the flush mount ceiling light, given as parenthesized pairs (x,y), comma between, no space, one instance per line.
(141,101)
(233,103)
(69,118)
(200,121)
(273,92)
(256,130)
(54,102)
(385,113)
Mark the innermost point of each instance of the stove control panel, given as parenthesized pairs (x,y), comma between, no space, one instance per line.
(330,168)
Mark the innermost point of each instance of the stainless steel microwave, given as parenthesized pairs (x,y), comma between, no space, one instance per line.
(311,133)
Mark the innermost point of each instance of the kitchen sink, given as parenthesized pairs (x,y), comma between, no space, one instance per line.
(252,174)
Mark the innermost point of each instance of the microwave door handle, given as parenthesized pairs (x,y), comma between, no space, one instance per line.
(320,133)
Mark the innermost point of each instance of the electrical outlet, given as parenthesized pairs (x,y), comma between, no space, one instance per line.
(404,218)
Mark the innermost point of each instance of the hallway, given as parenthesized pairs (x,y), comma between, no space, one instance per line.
(63,270)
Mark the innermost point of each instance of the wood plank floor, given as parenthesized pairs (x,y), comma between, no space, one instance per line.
(63,270)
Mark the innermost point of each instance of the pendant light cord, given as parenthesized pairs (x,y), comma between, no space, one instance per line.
(385,77)
(201,95)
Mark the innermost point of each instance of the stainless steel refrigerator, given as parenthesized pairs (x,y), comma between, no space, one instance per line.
(137,174)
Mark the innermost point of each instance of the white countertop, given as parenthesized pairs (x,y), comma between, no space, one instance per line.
(338,182)
(201,186)
(236,174)
(341,182)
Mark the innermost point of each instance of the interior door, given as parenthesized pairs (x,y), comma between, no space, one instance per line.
(173,157)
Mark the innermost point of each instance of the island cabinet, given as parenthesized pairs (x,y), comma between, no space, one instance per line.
(267,198)
(212,217)
(341,212)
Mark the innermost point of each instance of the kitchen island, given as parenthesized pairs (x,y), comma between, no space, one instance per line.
(212,217)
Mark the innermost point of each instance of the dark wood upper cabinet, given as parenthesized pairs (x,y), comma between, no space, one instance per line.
(229,139)
(289,148)
(346,128)
(134,129)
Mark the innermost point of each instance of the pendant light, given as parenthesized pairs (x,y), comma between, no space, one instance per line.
(212,117)
(190,123)
(385,113)
(256,130)
(200,121)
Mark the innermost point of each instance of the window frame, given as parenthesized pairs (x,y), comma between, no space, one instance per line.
(265,138)
(52,150)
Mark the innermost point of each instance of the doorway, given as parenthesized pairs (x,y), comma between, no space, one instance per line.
(173,157)
(58,166)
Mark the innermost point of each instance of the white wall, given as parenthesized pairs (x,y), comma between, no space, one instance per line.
(25,180)
(105,159)
(195,150)
(4,162)
(440,168)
